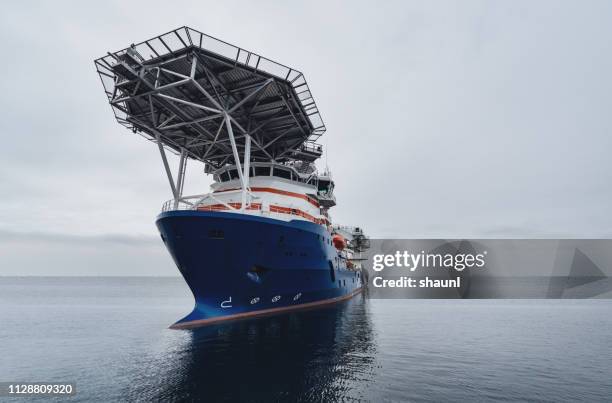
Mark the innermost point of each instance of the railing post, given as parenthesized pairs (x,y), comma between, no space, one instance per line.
(181,178)
(166,166)
(247,166)
(230,133)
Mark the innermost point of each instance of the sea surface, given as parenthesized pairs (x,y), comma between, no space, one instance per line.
(110,336)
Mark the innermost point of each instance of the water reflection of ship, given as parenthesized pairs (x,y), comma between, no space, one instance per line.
(316,355)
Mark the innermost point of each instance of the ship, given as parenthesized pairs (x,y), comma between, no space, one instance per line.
(261,241)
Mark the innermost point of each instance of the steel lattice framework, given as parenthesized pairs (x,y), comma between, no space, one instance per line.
(211,101)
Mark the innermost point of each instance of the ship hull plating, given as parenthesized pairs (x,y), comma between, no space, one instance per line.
(240,265)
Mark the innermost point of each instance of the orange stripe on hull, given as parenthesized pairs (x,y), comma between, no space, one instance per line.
(263,312)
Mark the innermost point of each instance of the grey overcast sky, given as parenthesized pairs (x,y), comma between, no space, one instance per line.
(445,119)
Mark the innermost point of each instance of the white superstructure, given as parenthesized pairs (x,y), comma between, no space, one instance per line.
(274,190)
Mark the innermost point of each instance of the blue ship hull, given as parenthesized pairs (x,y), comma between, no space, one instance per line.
(240,265)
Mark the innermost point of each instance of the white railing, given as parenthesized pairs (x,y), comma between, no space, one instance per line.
(194,201)
(172,205)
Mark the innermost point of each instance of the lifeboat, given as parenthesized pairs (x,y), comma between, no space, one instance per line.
(339,241)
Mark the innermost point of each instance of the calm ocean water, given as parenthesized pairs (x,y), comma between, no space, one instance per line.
(110,336)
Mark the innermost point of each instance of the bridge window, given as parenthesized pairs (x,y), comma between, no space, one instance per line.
(234,174)
(325,186)
(282,173)
(262,171)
